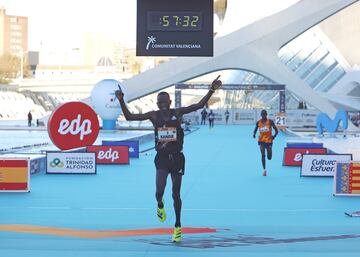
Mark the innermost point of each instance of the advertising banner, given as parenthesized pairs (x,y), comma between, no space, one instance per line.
(347,178)
(37,164)
(301,118)
(70,163)
(282,101)
(243,116)
(304,145)
(293,156)
(14,175)
(318,165)
(110,154)
(73,125)
(132,144)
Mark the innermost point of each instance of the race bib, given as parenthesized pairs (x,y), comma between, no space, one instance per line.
(264,129)
(166,134)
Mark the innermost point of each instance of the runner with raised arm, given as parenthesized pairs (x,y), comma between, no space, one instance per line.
(169,138)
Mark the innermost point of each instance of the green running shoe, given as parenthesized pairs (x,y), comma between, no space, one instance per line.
(176,235)
(161,213)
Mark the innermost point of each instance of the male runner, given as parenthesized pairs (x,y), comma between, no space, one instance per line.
(169,144)
(266,137)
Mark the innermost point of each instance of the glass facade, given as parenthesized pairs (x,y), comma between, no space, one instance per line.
(310,58)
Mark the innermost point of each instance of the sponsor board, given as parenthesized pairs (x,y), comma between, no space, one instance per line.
(301,118)
(132,144)
(14,175)
(73,125)
(323,121)
(319,165)
(110,154)
(347,178)
(70,163)
(293,156)
(37,164)
(304,145)
(243,117)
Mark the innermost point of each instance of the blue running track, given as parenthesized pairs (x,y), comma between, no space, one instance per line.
(229,208)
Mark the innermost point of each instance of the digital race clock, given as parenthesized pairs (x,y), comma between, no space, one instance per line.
(175,28)
(174,21)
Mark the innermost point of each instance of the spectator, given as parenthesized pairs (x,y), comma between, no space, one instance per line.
(211,119)
(203,116)
(227,115)
(29,118)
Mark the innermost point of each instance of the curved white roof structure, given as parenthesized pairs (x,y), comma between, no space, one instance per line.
(254,48)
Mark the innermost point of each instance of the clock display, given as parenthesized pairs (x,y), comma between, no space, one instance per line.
(174,21)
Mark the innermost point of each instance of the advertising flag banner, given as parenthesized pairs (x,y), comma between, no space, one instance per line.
(14,175)
(347,178)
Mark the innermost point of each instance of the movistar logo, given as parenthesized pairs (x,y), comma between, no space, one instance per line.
(56,163)
(323,121)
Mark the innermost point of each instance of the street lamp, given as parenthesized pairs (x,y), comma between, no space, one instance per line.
(22,52)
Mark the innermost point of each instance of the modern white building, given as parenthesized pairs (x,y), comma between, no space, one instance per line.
(294,47)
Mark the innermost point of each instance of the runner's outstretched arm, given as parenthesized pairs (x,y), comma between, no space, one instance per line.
(191,108)
(128,115)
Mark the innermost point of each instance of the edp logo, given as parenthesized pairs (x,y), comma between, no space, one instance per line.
(298,156)
(108,155)
(75,127)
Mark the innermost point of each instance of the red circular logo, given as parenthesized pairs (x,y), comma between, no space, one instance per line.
(73,125)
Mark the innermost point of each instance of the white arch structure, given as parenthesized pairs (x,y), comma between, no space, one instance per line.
(253,48)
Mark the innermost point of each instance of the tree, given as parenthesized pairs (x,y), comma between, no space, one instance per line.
(10,66)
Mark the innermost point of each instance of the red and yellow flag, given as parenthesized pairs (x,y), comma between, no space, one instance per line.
(14,175)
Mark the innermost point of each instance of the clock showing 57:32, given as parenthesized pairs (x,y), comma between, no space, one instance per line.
(174,21)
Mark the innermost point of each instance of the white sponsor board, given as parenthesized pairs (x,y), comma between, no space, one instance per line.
(70,163)
(318,165)
(239,116)
(301,118)
(292,118)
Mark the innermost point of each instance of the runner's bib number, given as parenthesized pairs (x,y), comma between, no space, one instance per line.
(264,129)
(166,134)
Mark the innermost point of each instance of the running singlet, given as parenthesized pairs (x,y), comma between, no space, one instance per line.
(265,130)
(169,136)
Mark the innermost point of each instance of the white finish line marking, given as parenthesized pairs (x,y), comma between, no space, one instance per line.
(150,209)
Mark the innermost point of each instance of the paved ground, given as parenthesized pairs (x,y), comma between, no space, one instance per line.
(229,209)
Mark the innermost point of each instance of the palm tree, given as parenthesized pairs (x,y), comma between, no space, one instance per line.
(151,40)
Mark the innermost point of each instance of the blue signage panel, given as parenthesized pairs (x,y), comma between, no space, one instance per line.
(323,121)
(282,101)
(177,98)
(132,144)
